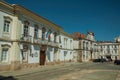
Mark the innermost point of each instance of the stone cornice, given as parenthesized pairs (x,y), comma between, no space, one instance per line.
(26,12)
(7,6)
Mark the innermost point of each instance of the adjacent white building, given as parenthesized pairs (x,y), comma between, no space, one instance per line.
(108,50)
(89,47)
(65,47)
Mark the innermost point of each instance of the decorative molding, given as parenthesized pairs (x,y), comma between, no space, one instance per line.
(6,45)
(8,18)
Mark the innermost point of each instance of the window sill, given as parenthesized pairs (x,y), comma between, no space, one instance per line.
(6,32)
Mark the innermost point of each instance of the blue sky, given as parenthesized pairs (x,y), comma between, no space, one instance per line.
(99,16)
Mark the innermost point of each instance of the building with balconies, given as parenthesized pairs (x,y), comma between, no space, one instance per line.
(87,47)
(77,45)
(26,38)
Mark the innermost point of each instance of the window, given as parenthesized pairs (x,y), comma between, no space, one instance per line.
(70,44)
(115,46)
(36,31)
(87,46)
(55,36)
(24,55)
(83,45)
(59,39)
(65,53)
(24,52)
(64,42)
(108,46)
(43,33)
(4,55)
(6,26)
(115,51)
(101,50)
(26,30)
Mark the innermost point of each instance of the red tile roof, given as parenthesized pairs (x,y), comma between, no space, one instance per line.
(77,36)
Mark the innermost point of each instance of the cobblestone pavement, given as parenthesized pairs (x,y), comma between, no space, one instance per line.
(69,71)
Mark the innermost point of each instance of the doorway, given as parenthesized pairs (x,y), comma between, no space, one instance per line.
(109,58)
(42,57)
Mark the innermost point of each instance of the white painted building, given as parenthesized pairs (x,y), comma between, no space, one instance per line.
(65,47)
(26,40)
(30,40)
(89,47)
(7,21)
(76,52)
(108,50)
(85,46)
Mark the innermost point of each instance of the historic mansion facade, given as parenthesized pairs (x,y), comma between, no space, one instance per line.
(29,40)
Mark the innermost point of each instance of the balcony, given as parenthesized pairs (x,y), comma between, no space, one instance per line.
(36,40)
(84,48)
(26,38)
(54,44)
(44,42)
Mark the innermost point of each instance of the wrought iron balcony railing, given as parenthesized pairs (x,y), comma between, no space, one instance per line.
(44,42)
(37,40)
(52,43)
(26,38)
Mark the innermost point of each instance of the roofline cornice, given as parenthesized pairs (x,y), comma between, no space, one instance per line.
(35,16)
(5,4)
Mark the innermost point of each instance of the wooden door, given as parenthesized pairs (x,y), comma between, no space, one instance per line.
(42,57)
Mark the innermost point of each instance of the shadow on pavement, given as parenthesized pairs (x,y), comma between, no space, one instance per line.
(7,78)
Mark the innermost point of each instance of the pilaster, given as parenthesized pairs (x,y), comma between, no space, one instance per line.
(15,57)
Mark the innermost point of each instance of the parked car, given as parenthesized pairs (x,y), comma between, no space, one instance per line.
(96,60)
(103,60)
(117,62)
(100,60)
